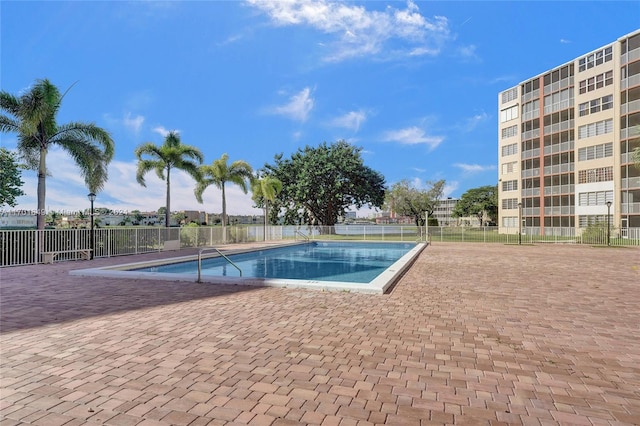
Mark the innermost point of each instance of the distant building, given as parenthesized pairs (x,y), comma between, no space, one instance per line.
(443,212)
(18,219)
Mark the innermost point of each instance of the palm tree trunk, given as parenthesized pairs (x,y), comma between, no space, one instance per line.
(266,214)
(224,215)
(42,175)
(167,214)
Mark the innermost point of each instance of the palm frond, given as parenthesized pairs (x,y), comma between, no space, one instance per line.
(88,132)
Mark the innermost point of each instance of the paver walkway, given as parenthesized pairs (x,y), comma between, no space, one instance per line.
(472,334)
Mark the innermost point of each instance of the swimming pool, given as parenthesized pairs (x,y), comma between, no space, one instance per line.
(370,267)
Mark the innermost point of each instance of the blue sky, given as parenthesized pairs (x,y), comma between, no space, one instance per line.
(414,84)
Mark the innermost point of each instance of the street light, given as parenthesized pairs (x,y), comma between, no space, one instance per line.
(519,223)
(608,223)
(92,198)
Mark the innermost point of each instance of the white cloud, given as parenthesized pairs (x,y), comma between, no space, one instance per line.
(351,120)
(474,168)
(161,130)
(449,188)
(298,107)
(468,52)
(66,190)
(565,41)
(134,124)
(358,32)
(473,122)
(412,136)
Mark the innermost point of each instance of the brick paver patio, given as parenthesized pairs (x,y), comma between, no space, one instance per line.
(472,334)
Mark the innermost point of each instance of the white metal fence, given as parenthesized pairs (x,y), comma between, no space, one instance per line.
(24,247)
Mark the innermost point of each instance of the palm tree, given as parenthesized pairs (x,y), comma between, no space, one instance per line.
(265,189)
(34,120)
(219,173)
(172,154)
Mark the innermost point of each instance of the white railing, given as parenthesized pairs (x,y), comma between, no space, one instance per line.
(25,247)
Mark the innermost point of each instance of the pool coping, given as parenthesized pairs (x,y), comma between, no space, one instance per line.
(378,285)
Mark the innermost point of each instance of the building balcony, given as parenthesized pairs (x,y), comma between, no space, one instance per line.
(630,207)
(558,85)
(626,158)
(530,134)
(559,168)
(531,95)
(629,132)
(631,81)
(530,173)
(630,107)
(559,127)
(531,192)
(559,189)
(557,211)
(630,56)
(531,153)
(559,147)
(627,183)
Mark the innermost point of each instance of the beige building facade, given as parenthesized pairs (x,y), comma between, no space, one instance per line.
(565,143)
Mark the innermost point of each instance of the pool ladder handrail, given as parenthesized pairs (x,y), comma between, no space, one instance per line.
(305,236)
(220,253)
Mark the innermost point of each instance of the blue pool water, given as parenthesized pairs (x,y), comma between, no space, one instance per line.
(322,261)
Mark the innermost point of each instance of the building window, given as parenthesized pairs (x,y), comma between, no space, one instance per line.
(595,59)
(509,95)
(597,82)
(596,105)
(510,149)
(594,129)
(586,220)
(602,174)
(510,185)
(510,131)
(510,222)
(595,151)
(509,167)
(509,113)
(595,198)
(510,203)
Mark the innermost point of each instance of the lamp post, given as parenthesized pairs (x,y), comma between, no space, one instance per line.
(519,223)
(608,223)
(92,198)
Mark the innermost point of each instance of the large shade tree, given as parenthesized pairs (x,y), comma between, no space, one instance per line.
(480,202)
(320,184)
(218,174)
(10,178)
(264,191)
(405,199)
(32,116)
(172,154)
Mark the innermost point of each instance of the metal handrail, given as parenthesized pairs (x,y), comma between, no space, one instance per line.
(220,253)
(305,236)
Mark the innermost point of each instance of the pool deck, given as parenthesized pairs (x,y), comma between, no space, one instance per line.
(471,334)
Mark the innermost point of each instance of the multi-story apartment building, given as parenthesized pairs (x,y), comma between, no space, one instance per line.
(565,143)
(444,211)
